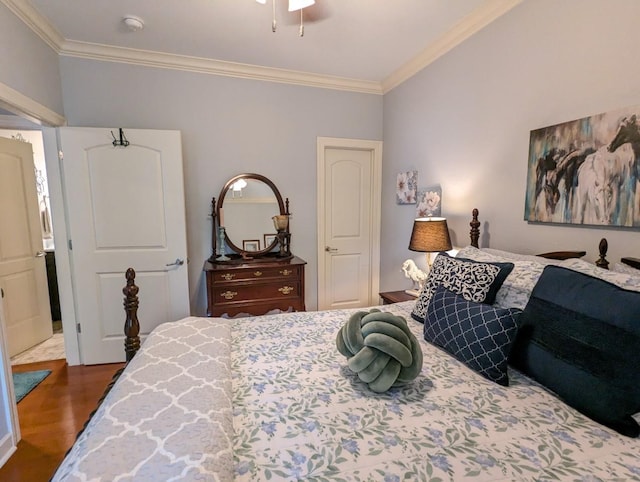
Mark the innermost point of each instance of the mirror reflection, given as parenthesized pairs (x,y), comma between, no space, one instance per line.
(247,204)
(248,208)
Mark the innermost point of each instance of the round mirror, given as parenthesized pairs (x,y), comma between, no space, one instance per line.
(246,205)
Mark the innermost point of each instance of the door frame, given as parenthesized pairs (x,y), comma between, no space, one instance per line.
(375,148)
(41,115)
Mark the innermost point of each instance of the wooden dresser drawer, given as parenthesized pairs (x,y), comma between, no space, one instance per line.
(256,273)
(256,292)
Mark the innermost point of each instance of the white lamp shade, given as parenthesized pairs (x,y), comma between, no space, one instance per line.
(299,4)
(261,1)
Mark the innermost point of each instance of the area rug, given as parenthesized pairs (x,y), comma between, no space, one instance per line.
(24,382)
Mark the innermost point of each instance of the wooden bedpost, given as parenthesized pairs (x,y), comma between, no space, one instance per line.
(131,324)
(602,260)
(475,229)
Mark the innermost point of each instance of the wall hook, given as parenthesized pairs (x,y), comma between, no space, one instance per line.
(122,141)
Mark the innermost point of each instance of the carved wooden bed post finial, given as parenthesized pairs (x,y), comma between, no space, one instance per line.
(475,228)
(602,260)
(131,324)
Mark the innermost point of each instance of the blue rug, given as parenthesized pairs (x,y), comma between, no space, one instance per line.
(23,383)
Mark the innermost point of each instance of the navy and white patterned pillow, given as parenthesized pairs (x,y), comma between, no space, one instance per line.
(474,280)
(478,335)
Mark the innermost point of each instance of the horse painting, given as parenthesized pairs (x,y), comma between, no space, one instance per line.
(586,171)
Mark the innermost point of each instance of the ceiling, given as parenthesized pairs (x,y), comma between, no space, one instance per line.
(376,44)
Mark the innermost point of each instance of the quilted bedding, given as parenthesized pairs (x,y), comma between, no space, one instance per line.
(271,398)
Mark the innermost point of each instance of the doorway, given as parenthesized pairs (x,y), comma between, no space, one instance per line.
(28,339)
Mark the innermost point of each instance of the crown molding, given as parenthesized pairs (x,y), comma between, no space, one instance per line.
(472,23)
(28,108)
(148,58)
(36,22)
(468,26)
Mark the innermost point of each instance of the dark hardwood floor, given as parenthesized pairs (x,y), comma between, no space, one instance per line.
(51,416)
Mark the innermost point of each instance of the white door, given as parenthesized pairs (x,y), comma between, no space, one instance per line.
(349,223)
(23,276)
(125,209)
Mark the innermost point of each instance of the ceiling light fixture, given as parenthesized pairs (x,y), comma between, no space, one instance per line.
(293,6)
(134,24)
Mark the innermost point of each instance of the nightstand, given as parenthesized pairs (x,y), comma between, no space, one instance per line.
(390,297)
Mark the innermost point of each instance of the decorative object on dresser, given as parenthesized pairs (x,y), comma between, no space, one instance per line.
(254,279)
(281,223)
(429,235)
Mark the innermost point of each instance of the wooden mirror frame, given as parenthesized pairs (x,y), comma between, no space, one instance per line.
(281,206)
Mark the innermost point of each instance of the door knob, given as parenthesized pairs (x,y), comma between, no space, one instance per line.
(329,249)
(177,262)
(39,254)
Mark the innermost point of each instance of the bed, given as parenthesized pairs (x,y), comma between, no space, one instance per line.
(272,398)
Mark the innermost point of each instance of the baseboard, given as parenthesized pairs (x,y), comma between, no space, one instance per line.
(7,448)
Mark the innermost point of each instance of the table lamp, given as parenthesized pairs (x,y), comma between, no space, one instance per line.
(430,235)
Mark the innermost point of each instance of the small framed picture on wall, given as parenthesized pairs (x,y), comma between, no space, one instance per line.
(406,186)
(429,202)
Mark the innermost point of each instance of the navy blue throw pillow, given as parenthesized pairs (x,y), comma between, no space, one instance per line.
(477,334)
(580,337)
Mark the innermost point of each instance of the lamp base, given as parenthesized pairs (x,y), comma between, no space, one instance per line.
(412,292)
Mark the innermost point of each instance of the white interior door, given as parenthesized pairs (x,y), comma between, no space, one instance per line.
(125,209)
(23,276)
(349,220)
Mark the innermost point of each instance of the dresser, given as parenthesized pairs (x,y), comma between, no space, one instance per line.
(254,286)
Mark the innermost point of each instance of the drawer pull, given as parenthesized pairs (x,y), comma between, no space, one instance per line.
(228,276)
(286,272)
(285,290)
(257,273)
(229,295)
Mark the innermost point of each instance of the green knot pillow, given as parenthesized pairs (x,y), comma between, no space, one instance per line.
(380,348)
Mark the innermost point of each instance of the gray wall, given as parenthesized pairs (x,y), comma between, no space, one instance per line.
(29,65)
(228,126)
(464,123)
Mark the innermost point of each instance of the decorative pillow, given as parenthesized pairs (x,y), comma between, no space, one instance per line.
(478,335)
(580,337)
(381,349)
(517,288)
(475,281)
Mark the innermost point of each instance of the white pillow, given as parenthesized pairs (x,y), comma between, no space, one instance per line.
(625,268)
(623,280)
(520,257)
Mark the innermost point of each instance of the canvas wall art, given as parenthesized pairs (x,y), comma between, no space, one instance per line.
(406,187)
(586,171)
(429,202)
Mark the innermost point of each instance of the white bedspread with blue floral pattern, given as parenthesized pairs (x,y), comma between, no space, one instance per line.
(291,409)
(299,413)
